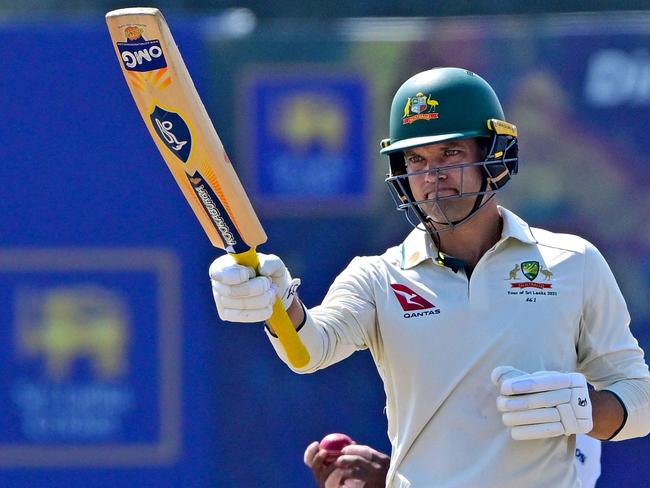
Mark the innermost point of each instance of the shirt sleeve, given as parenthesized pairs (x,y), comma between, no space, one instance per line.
(608,354)
(343,323)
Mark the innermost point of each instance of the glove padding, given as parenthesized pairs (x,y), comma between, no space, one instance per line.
(543,404)
(241,296)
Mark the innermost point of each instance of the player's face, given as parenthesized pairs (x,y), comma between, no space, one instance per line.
(434,176)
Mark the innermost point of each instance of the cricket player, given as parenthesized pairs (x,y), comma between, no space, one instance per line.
(484,330)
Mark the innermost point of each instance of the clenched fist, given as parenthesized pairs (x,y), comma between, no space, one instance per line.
(243,296)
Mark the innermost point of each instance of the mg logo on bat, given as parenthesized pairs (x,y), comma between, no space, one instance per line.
(173,131)
(138,54)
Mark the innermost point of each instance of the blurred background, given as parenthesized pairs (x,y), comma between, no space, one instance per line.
(115,370)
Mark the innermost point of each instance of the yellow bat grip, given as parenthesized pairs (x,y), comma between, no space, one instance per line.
(279,321)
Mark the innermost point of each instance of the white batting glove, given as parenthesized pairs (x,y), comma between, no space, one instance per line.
(543,404)
(241,296)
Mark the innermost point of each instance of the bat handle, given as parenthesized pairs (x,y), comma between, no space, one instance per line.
(280,322)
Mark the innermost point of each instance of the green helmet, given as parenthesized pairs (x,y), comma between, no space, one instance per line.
(441,104)
(446,104)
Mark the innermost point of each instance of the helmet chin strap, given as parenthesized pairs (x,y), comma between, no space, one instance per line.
(435,233)
(451,224)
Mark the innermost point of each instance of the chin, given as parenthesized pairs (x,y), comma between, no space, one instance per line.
(452,213)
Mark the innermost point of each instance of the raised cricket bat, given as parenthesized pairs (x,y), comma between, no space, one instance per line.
(179,125)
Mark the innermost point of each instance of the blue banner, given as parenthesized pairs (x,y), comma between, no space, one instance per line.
(89,349)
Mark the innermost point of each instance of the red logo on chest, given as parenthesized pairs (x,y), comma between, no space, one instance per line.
(408,299)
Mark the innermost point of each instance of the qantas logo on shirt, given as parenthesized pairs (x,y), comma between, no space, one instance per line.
(413,304)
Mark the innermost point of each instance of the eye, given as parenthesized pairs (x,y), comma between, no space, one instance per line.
(414,161)
(450,153)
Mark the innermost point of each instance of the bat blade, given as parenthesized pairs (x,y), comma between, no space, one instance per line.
(179,125)
(183,132)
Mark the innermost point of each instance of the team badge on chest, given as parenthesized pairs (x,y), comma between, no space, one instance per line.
(534,276)
(530,269)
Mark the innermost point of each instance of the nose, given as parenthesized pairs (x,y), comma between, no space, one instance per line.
(435,174)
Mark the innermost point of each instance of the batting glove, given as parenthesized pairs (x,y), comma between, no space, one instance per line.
(543,404)
(241,296)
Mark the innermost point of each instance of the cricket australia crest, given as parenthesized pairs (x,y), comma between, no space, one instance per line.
(419,107)
(530,269)
(537,276)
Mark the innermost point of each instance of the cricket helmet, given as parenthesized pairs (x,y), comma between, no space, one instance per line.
(446,104)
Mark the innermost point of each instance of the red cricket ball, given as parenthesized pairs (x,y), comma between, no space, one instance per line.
(333,443)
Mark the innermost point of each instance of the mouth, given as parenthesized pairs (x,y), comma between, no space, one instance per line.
(442,192)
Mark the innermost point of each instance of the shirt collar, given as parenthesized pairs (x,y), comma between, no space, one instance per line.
(416,248)
(515,227)
(418,245)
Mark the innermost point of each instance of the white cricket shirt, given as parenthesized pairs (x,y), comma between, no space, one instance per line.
(535,301)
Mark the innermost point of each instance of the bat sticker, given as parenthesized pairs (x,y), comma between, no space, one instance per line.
(138,54)
(173,131)
(218,214)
